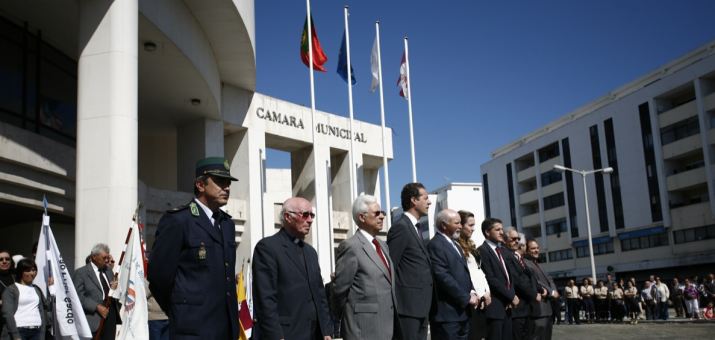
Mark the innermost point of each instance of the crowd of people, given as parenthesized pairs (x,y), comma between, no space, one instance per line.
(621,300)
(403,287)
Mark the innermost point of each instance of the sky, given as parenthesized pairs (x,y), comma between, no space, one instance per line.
(483,73)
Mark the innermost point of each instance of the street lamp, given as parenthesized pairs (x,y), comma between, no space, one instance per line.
(583,174)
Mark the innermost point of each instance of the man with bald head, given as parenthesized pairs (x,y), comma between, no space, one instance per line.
(454,293)
(288,292)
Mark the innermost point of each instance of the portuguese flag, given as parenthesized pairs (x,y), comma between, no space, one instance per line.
(319,57)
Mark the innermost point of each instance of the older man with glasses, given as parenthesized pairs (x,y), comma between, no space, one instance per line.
(364,292)
(289,299)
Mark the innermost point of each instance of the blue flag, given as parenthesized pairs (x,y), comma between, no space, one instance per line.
(343,63)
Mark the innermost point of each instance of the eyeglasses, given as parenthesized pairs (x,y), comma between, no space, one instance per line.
(5,259)
(303,214)
(512,239)
(378,213)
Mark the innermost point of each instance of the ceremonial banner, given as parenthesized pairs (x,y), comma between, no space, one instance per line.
(70,321)
(319,57)
(244,313)
(131,290)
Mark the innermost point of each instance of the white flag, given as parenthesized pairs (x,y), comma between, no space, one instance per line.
(131,291)
(68,313)
(374,67)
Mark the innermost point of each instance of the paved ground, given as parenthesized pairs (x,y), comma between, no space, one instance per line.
(649,331)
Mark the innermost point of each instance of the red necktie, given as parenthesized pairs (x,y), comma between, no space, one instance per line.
(501,259)
(382,257)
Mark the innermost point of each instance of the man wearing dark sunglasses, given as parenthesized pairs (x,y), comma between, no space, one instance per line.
(363,291)
(289,299)
(192,265)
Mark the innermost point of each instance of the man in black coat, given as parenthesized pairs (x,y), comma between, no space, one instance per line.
(289,299)
(542,308)
(494,264)
(192,264)
(454,293)
(524,285)
(413,276)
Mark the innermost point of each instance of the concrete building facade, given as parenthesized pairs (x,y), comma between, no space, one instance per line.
(655,214)
(105,106)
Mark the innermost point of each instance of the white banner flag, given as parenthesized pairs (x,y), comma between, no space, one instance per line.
(70,320)
(374,67)
(131,291)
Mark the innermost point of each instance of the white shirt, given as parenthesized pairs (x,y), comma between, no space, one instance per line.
(28,307)
(479,280)
(414,221)
(368,237)
(207,211)
(95,269)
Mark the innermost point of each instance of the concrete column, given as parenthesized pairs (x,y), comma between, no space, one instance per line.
(708,154)
(659,163)
(196,140)
(106,124)
(340,191)
(245,150)
(309,170)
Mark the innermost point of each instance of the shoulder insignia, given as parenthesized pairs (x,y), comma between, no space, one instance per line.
(194,209)
(177,209)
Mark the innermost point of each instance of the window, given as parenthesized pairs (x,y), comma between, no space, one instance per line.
(694,234)
(598,177)
(643,242)
(532,232)
(542,258)
(556,227)
(510,185)
(569,187)
(548,152)
(560,255)
(38,85)
(485,184)
(679,130)
(649,155)
(598,249)
(615,180)
(552,176)
(553,201)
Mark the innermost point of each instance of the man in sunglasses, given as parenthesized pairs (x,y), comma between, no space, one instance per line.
(192,264)
(363,291)
(524,284)
(289,299)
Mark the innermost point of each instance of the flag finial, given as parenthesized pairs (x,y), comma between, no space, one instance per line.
(44,203)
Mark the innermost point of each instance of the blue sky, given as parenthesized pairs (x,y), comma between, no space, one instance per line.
(483,73)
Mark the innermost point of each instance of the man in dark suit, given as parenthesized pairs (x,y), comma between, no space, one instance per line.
(289,299)
(494,264)
(454,293)
(192,271)
(524,285)
(413,276)
(93,282)
(542,307)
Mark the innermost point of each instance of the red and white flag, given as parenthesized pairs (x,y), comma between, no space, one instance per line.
(403,82)
(131,291)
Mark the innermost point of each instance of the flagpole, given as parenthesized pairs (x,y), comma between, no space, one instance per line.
(409,110)
(387,207)
(49,275)
(312,115)
(353,180)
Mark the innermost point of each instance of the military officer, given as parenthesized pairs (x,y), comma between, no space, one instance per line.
(192,264)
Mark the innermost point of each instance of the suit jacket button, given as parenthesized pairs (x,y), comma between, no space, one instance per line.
(226,264)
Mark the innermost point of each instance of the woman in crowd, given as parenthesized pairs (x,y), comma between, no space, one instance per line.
(6,270)
(23,305)
(572,302)
(691,295)
(478,321)
(617,304)
(630,294)
(587,292)
(600,294)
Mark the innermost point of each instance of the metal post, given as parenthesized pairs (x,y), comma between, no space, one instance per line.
(588,226)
